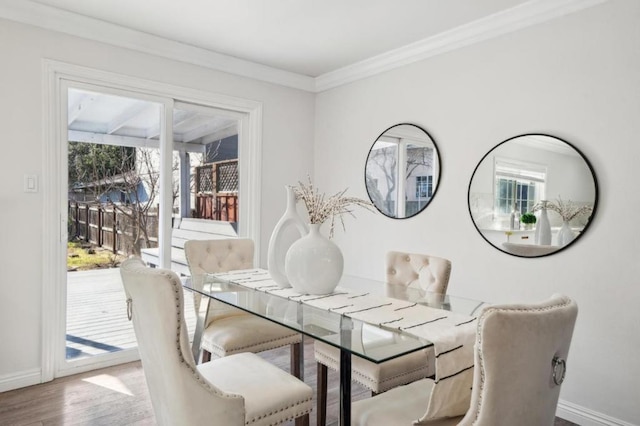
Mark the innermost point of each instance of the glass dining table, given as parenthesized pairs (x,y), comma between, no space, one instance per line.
(351,336)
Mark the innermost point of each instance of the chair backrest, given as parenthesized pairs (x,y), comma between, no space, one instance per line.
(429,273)
(520,362)
(179,394)
(220,255)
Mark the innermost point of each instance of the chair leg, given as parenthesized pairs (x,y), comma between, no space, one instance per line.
(321,394)
(206,356)
(296,365)
(303,420)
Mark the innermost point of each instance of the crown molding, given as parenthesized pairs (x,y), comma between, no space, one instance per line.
(510,20)
(50,18)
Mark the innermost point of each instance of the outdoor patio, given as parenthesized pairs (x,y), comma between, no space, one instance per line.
(97,314)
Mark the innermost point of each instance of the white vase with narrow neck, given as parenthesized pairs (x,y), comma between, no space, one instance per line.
(565,235)
(314,263)
(289,229)
(543,227)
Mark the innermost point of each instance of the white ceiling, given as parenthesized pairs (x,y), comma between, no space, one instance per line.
(312,45)
(309,37)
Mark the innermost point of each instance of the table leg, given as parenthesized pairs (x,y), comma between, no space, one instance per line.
(297,359)
(346,327)
(201,318)
(345,387)
(299,369)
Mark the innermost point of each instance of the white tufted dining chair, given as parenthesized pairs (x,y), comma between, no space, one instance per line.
(229,330)
(406,270)
(520,361)
(240,389)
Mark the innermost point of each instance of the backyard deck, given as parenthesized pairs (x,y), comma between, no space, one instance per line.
(97,314)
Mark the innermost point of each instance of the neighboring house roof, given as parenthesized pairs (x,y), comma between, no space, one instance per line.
(116,180)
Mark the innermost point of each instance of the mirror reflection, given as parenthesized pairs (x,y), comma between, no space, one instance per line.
(402,171)
(532,195)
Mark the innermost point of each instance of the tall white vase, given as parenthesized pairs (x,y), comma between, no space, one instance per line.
(314,263)
(543,227)
(565,235)
(289,228)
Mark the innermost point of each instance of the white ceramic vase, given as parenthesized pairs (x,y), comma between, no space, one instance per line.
(565,235)
(289,228)
(314,263)
(543,227)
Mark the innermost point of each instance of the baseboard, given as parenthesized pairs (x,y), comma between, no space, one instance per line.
(20,380)
(586,417)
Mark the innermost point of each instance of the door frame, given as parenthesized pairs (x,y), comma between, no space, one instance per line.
(56,77)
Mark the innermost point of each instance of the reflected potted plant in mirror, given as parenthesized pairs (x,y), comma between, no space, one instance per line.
(314,264)
(528,219)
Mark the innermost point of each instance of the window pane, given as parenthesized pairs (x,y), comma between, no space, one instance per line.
(419,169)
(528,180)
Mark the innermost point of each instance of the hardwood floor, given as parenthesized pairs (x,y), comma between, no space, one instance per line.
(118,396)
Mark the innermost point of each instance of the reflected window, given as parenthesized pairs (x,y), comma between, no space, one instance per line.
(424,186)
(518,184)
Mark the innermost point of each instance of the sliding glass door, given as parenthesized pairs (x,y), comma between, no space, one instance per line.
(120,185)
(125,159)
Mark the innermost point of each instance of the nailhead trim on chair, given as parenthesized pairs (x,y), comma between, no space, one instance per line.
(487,312)
(242,349)
(278,411)
(355,375)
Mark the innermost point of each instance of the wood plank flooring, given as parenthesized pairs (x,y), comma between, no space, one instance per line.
(117,396)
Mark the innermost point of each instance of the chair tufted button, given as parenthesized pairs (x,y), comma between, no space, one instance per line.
(392,271)
(408,258)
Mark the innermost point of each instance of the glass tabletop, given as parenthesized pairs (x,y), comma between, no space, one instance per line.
(372,342)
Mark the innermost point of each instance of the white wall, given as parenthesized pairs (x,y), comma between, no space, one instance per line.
(287,145)
(576,77)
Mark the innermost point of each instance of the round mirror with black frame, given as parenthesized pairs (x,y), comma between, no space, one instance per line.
(402,171)
(533,195)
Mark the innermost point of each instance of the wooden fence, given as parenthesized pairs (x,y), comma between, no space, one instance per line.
(217,207)
(108,227)
(217,191)
(111,228)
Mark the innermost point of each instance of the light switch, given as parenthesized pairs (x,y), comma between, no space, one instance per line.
(30,183)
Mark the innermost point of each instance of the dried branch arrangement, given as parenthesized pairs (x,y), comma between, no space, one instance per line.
(566,209)
(321,208)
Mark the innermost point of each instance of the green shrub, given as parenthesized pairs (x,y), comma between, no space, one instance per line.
(528,218)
